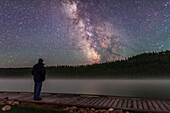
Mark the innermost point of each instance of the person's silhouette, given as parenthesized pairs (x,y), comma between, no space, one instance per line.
(38,72)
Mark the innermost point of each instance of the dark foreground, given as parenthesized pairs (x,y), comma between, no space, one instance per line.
(16,109)
(94,101)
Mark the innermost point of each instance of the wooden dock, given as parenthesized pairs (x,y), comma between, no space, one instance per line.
(95,101)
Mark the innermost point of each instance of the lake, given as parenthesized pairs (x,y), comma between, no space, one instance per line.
(130,88)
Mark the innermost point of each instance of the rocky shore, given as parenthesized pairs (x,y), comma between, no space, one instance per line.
(7,105)
(75,109)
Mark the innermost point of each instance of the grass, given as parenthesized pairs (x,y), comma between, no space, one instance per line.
(16,109)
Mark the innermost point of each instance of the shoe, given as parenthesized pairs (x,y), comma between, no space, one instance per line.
(38,99)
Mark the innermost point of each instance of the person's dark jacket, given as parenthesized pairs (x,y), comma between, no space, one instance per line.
(39,72)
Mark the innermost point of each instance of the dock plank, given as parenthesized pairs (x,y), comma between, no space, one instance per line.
(115,103)
(129,104)
(51,99)
(151,107)
(102,102)
(166,105)
(92,103)
(139,104)
(5,95)
(98,102)
(91,99)
(74,100)
(145,106)
(161,106)
(84,102)
(156,106)
(132,104)
(119,105)
(111,102)
(125,103)
(78,102)
(107,102)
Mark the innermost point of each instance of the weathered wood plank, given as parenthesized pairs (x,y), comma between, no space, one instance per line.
(92,103)
(161,106)
(84,102)
(75,99)
(22,96)
(134,104)
(102,102)
(27,98)
(145,106)
(151,107)
(80,101)
(46,95)
(125,102)
(166,105)
(129,103)
(111,102)
(115,103)
(119,105)
(10,96)
(107,102)
(51,99)
(91,99)
(139,104)
(156,106)
(68,100)
(98,102)
(5,95)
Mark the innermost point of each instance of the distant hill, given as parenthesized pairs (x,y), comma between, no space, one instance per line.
(146,65)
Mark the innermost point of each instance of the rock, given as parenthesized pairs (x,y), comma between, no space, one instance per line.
(66,109)
(9,102)
(102,111)
(74,108)
(110,109)
(2,103)
(15,103)
(6,98)
(92,109)
(119,111)
(97,111)
(87,108)
(71,111)
(6,108)
(82,110)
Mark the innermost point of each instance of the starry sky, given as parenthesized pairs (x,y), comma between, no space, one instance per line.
(76,32)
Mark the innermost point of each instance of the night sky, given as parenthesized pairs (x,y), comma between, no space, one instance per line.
(75,32)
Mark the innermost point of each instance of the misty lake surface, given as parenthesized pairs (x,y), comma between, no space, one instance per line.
(130,88)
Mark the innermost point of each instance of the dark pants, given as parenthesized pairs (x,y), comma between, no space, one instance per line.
(37,89)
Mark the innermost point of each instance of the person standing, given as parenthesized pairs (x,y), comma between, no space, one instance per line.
(38,73)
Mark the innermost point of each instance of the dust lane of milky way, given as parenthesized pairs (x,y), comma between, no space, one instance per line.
(75,32)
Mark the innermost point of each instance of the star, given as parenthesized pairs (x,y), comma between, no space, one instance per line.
(80,32)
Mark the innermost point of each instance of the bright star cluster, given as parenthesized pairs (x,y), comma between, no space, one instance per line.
(76,32)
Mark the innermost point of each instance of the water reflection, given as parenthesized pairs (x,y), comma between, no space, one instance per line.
(132,88)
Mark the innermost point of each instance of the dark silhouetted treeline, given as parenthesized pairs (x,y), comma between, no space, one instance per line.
(147,65)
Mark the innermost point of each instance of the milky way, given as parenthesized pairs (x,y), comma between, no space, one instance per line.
(76,32)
